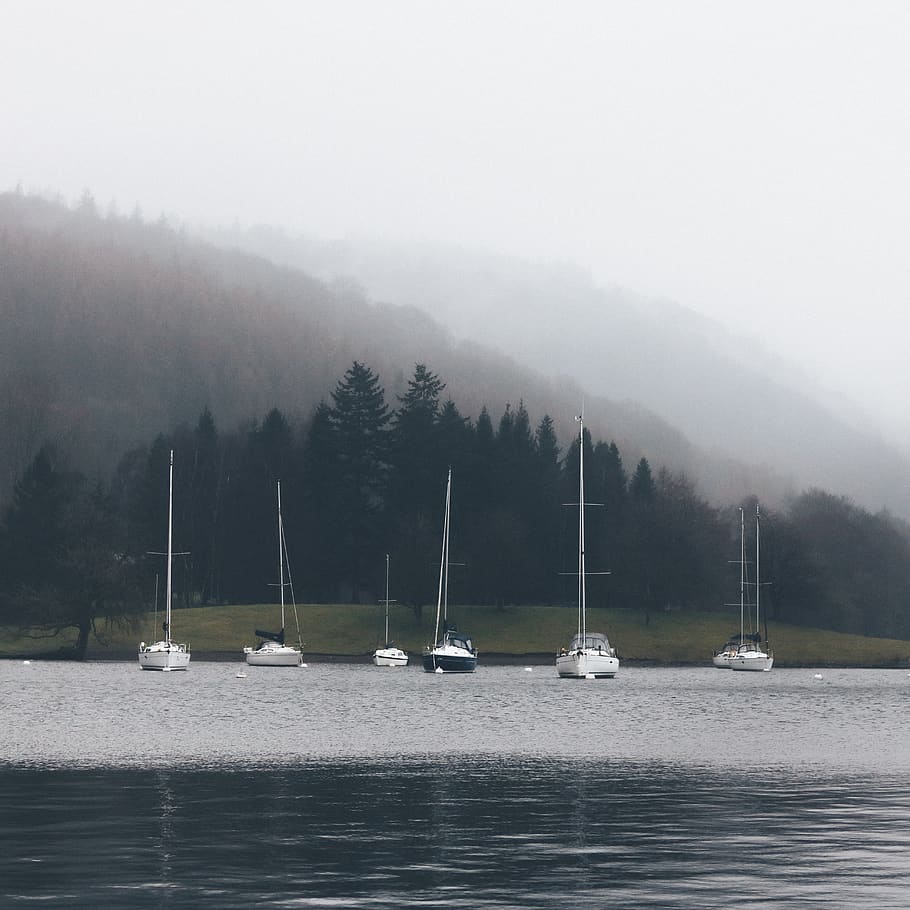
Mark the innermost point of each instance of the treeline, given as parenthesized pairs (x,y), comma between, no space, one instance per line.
(363,478)
(115,329)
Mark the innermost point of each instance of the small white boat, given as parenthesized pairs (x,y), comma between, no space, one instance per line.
(166,654)
(272,651)
(454,652)
(389,656)
(589,655)
(749,654)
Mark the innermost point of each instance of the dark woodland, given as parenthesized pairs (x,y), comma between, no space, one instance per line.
(122,341)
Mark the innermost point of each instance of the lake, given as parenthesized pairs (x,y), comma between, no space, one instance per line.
(349,786)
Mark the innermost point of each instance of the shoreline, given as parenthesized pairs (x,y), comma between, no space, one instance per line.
(536,659)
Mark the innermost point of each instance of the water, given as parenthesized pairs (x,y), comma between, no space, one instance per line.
(352,786)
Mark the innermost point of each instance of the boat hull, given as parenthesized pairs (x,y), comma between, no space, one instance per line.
(585,664)
(390,657)
(277,656)
(722,661)
(443,660)
(164,656)
(756,661)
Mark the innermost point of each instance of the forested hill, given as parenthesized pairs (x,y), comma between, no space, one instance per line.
(123,340)
(115,330)
(725,392)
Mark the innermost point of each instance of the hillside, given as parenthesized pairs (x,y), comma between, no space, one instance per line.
(530,633)
(119,334)
(765,423)
(116,330)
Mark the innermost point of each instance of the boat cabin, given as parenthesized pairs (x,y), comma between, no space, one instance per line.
(592,641)
(459,640)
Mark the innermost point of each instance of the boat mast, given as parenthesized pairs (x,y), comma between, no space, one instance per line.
(387,599)
(281,559)
(757,567)
(442,595)
(742,573)
(170,546)
(582,630)
(445,591)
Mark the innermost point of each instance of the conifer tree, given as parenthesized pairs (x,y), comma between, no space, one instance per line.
(205,488)
(543,565)
(644,540)
(360,417)
(416,451)
(321,565)
(641,487)
(264,455)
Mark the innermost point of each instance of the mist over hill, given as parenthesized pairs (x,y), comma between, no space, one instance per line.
(116,330)
(755,421)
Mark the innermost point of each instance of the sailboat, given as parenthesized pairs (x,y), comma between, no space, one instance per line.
(589,655)
(749,655)
(454,652)
(166,654)
(389,656)
(723,657)
(272,651)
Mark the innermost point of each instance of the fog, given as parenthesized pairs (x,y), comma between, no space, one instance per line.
(746,160)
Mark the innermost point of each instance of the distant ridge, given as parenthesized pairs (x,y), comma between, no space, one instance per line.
(116,330)
(757,422)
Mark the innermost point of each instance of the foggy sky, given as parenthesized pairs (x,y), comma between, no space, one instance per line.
(746,159)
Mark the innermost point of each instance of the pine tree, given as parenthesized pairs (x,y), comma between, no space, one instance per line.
(416,450)
(321,569)
(545,519)
(641,487)
(360,417)
(644,538)
(205,488)
(454,434)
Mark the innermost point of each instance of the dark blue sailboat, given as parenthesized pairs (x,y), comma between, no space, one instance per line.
(454,652)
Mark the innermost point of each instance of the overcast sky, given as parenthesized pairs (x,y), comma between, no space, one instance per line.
(750,160)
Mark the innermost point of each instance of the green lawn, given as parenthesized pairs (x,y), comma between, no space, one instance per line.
(344,629)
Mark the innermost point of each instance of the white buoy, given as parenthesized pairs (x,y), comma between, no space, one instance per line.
(818,676)
(304,665)
(241,675)
(529,669)
(590,676)
(439,669)
(26,662)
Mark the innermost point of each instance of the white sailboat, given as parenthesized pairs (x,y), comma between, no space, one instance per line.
(750,655)
(166,654)
(389,656)
(589,655)
(272,651)
(454,652)
(723,657)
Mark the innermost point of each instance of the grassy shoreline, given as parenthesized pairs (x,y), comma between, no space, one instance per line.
(507,635)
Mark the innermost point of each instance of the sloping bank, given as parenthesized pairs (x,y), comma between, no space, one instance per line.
(509,635)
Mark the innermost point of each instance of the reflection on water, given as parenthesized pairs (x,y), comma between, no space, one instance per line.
(480,833)
(512,789)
